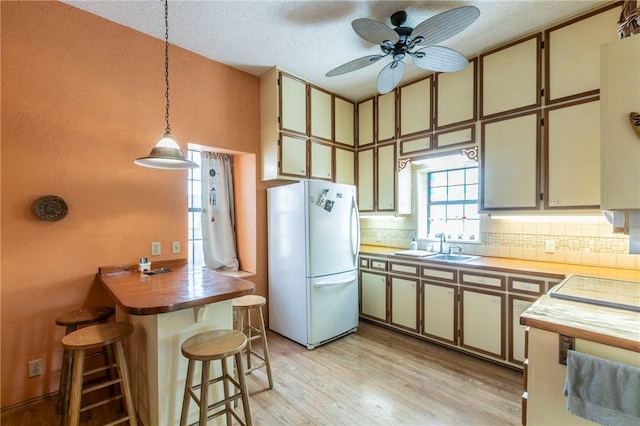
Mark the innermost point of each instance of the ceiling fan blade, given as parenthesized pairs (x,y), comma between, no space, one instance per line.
(356,64)
(374,31)
(439,58)
(390,76)
(445,25)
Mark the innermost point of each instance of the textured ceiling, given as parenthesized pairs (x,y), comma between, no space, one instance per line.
(309,38)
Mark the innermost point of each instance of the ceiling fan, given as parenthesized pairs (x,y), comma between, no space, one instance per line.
(399,42)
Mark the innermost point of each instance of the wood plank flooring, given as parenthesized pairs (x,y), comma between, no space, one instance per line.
(373,377)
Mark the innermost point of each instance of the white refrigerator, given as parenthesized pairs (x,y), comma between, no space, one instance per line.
(314,240)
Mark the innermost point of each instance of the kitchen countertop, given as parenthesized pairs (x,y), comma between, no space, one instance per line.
(508,265)
(183,287)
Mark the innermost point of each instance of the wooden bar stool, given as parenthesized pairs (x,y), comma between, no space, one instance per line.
(72,321)
(211,346)
(243,306)
(77,344)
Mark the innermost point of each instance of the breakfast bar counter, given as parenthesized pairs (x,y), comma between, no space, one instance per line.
(166,309)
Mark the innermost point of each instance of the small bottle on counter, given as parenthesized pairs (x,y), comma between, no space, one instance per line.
(413,245)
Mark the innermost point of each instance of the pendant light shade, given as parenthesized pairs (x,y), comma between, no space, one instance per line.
(166,154)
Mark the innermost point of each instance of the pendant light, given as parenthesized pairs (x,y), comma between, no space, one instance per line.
(166,154)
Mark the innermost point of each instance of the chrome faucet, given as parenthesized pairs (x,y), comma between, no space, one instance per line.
(457,248)
(442,240)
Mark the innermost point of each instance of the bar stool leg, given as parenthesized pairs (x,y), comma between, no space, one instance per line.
(204,393)
(125,384)
(76,387)
(187,398)
(243,387)
(248,332)
(225,382)
(65,374)
(265,347)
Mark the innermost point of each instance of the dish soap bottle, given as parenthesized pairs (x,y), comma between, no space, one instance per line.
(413,245)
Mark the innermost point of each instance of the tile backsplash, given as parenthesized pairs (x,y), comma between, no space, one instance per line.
(581,240)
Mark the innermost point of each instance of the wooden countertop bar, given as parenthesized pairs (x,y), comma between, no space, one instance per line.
(184,287)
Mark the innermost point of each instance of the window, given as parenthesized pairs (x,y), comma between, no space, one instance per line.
(452,204)
(194,235)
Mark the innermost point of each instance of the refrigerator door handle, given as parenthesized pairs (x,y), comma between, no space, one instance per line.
(355,225)
(333,283)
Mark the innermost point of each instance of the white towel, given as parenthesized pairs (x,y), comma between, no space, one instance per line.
(603,391)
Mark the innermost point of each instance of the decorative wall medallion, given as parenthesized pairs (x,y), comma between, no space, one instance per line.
(634,117)
(50,208)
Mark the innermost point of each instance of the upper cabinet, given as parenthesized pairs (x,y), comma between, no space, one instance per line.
(456,100)
(572,53)
(293,104)
(510,77)
(386,117)
(415,107)
(344,119)
(620,98)
(299,123)
(572,155)
(320,114)
(366,123)
(510,153)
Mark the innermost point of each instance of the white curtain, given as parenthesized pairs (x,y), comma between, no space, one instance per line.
(218,222)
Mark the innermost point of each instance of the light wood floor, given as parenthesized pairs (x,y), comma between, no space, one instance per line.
(373,377)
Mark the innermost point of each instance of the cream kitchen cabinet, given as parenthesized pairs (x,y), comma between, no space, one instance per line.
(572,53)
(620,150)
(510,163)
(386,117)
(404,302)
(293,104)
(440,312)
(416,116)
(483,320)
(455,96)
(320,114)
(366,121)
(517,333)
(302,158)
(572,155)
(345,160)
(373,295)
(510,79)
(344,118)
(377,178)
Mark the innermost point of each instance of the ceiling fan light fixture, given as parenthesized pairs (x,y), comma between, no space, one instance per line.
(166,154)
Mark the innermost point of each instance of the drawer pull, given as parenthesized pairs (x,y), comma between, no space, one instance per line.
(494,300)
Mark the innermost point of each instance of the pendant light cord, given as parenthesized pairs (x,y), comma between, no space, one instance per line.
(167,131)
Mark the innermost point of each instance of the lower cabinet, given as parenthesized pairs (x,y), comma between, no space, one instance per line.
(404,302)
(373,295)
(483,322)
(475,310)
(440,312)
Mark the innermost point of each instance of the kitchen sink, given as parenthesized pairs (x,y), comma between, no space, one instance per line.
(452,257)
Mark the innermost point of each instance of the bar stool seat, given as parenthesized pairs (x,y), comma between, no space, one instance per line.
(243,306)
(72,321)
(110,334)
(213,346)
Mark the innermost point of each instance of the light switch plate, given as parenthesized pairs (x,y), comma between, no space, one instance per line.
(550,246)
(175,247)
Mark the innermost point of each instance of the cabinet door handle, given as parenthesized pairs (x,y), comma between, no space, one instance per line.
(494,300)
(518,305)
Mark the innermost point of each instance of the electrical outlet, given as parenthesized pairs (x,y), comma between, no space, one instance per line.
(35,367)
(550,246)
(379,236)
(156,248)
(175,247)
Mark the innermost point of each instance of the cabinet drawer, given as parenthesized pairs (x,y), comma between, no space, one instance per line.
(526,285)
(482,280)
(403,268)
(364,262)
(379,265)
(440,274)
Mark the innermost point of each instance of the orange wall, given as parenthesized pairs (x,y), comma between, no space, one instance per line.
(81,98)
